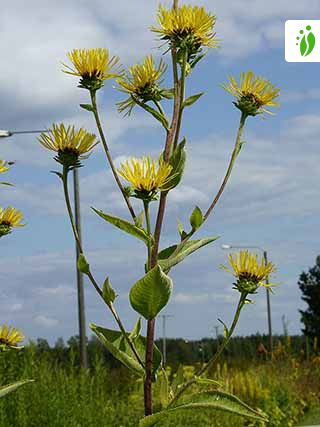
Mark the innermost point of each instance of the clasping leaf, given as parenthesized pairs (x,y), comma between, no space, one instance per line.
(151,293)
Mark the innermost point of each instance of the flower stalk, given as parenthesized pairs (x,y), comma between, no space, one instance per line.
(215,357)
(108,153)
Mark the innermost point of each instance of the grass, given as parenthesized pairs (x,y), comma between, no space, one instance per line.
(64,395)
(312,418)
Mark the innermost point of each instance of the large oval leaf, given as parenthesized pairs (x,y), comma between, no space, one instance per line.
(151,293)
(118,346)
(12,387)
(124,225)
(209,400)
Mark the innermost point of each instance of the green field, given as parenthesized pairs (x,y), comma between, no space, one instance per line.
(65,395)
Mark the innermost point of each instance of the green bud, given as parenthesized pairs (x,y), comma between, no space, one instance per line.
(196,218)
(246,286)
(108,292)
(83,265)
(5,229)
(249,105)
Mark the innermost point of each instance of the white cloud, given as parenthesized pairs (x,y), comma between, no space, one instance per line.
(184,298)
(45,321)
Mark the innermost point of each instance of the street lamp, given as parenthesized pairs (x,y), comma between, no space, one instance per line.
(81,303)
(265,256)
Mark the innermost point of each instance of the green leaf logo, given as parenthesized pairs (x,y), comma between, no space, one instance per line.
(306,41)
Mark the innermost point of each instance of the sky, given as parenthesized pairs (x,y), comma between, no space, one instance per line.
(272,200)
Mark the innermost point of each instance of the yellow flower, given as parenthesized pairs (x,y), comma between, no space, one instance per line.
(250,273)
(143,82)
(253,93)
(10,336)
(3,166)
(9,218)
(146,176)
(93,66)
(69,143)
(187,27)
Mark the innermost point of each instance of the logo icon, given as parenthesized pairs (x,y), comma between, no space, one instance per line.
(302,40)
(306,41)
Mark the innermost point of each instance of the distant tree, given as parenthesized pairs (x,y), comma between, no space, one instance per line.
(42,345)
(309,283)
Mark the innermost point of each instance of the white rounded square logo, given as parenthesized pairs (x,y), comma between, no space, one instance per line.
(302,40)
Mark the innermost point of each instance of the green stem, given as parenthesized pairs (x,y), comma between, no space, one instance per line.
(218,353)
(108,153)
(182,95)
(148,400)
(89,274)
(233,158)
(147,215)
(159,106)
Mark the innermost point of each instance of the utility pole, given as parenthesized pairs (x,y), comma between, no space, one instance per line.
(164,337)
(80,288)
(268,307)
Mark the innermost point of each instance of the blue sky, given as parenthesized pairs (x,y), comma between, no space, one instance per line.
(272,200)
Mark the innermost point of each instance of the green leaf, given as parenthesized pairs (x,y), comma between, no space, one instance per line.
(124,225)
(225,329)
(7,183)
(180,228)
(87,107)
(209,400)
(151,293)
(167,260)
(139,220)
(178,379)
(164,388)
(118,346)
(83,265)
(208,381)
(108,292)
(177,161)
(192,99)
(168,93)
(156,114)
(196,218)
(136,330)
(12,387)
(196,60)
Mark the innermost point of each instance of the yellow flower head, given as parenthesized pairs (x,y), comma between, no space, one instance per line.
(187,26)
(146,176)
(250,273)
(69,143)
(10,337)
(3,166)
(143,82)
(9,218)
(93,66)
(253,93)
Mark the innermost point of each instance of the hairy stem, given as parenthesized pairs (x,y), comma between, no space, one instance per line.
(181,95)
(147,215)
(233,158)
(234,155)
(218,353)
(89,274)
(148,401)
(108,153)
